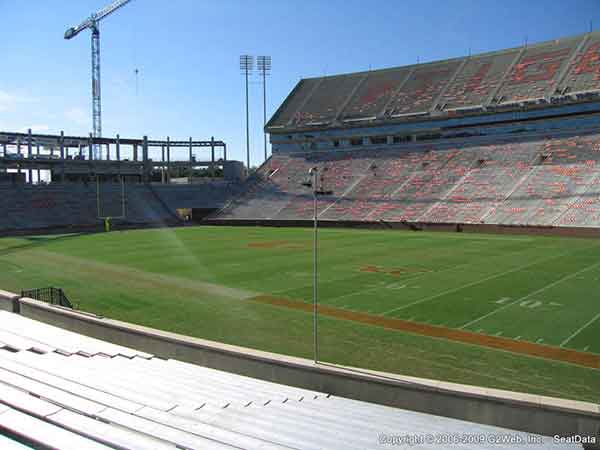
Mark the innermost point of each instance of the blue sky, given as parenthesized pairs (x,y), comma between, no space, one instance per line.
(187,53)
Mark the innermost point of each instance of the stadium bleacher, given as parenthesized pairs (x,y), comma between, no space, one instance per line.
(506,138)
(545,72)
(32,207)
(547,179)
(478,79)
(420,91)
(373,94)
(535,73)
(60,389)
(584,69)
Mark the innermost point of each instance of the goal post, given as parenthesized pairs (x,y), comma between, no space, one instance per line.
(110,199)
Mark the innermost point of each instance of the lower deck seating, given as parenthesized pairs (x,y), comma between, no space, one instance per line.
(29,207)
(60,389)
(527,180)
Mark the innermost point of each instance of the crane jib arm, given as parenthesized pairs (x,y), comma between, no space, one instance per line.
(91,21)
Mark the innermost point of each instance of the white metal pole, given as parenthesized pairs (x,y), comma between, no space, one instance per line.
(315,270)
(264,74)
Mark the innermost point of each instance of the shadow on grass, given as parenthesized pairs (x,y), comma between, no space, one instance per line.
(37,241)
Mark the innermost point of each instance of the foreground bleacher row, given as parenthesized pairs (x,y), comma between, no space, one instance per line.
(29,207)
(60,389)
(533,180)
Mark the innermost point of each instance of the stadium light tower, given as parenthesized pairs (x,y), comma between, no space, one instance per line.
(246,65)
(92,23)
(264,68)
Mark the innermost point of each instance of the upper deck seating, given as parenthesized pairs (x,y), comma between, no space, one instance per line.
(322,106)
(583,74)
(534,76)
(374,93)
(478,79)
(422,88)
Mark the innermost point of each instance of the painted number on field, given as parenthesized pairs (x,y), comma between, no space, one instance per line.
(529,304)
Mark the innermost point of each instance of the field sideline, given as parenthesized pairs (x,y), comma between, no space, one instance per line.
(202,281)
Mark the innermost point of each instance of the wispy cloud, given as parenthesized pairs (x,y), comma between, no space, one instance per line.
(77,116)
(35,128)
(8,101)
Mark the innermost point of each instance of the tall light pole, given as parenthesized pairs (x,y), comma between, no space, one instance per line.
(246,65)
(317,190)
(264,68)
(314,173)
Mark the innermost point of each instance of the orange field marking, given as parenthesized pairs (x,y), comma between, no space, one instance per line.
(276,244)
(395,271)
(526,348)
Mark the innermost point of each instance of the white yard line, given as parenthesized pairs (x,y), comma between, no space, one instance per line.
(566,341)
(474,283)
(405,279)
(567,277)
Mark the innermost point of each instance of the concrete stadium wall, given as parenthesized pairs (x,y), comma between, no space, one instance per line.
(416,226)
(526,412)
(9,301)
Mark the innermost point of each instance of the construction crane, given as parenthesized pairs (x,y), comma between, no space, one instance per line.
(92,23)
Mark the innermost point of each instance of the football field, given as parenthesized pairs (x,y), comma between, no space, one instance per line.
(491,310)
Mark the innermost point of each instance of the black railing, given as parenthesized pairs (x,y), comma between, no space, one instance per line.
(52,295)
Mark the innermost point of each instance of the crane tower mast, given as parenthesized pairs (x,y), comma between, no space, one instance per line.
(92,23)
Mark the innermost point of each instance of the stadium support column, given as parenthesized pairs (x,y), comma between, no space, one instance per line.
(145,162)
(224,151)
(118,155)
(19,153)
(62,156)
(191,167)
(162,164)
(4,150)
(168,160)
(37,152)
(90,156)
(29,151)
(90,147)
(212,156)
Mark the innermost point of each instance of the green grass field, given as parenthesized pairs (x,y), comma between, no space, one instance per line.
(200,281)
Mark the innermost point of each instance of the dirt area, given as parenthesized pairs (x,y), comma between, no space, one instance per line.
(511,345)
(288,245)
